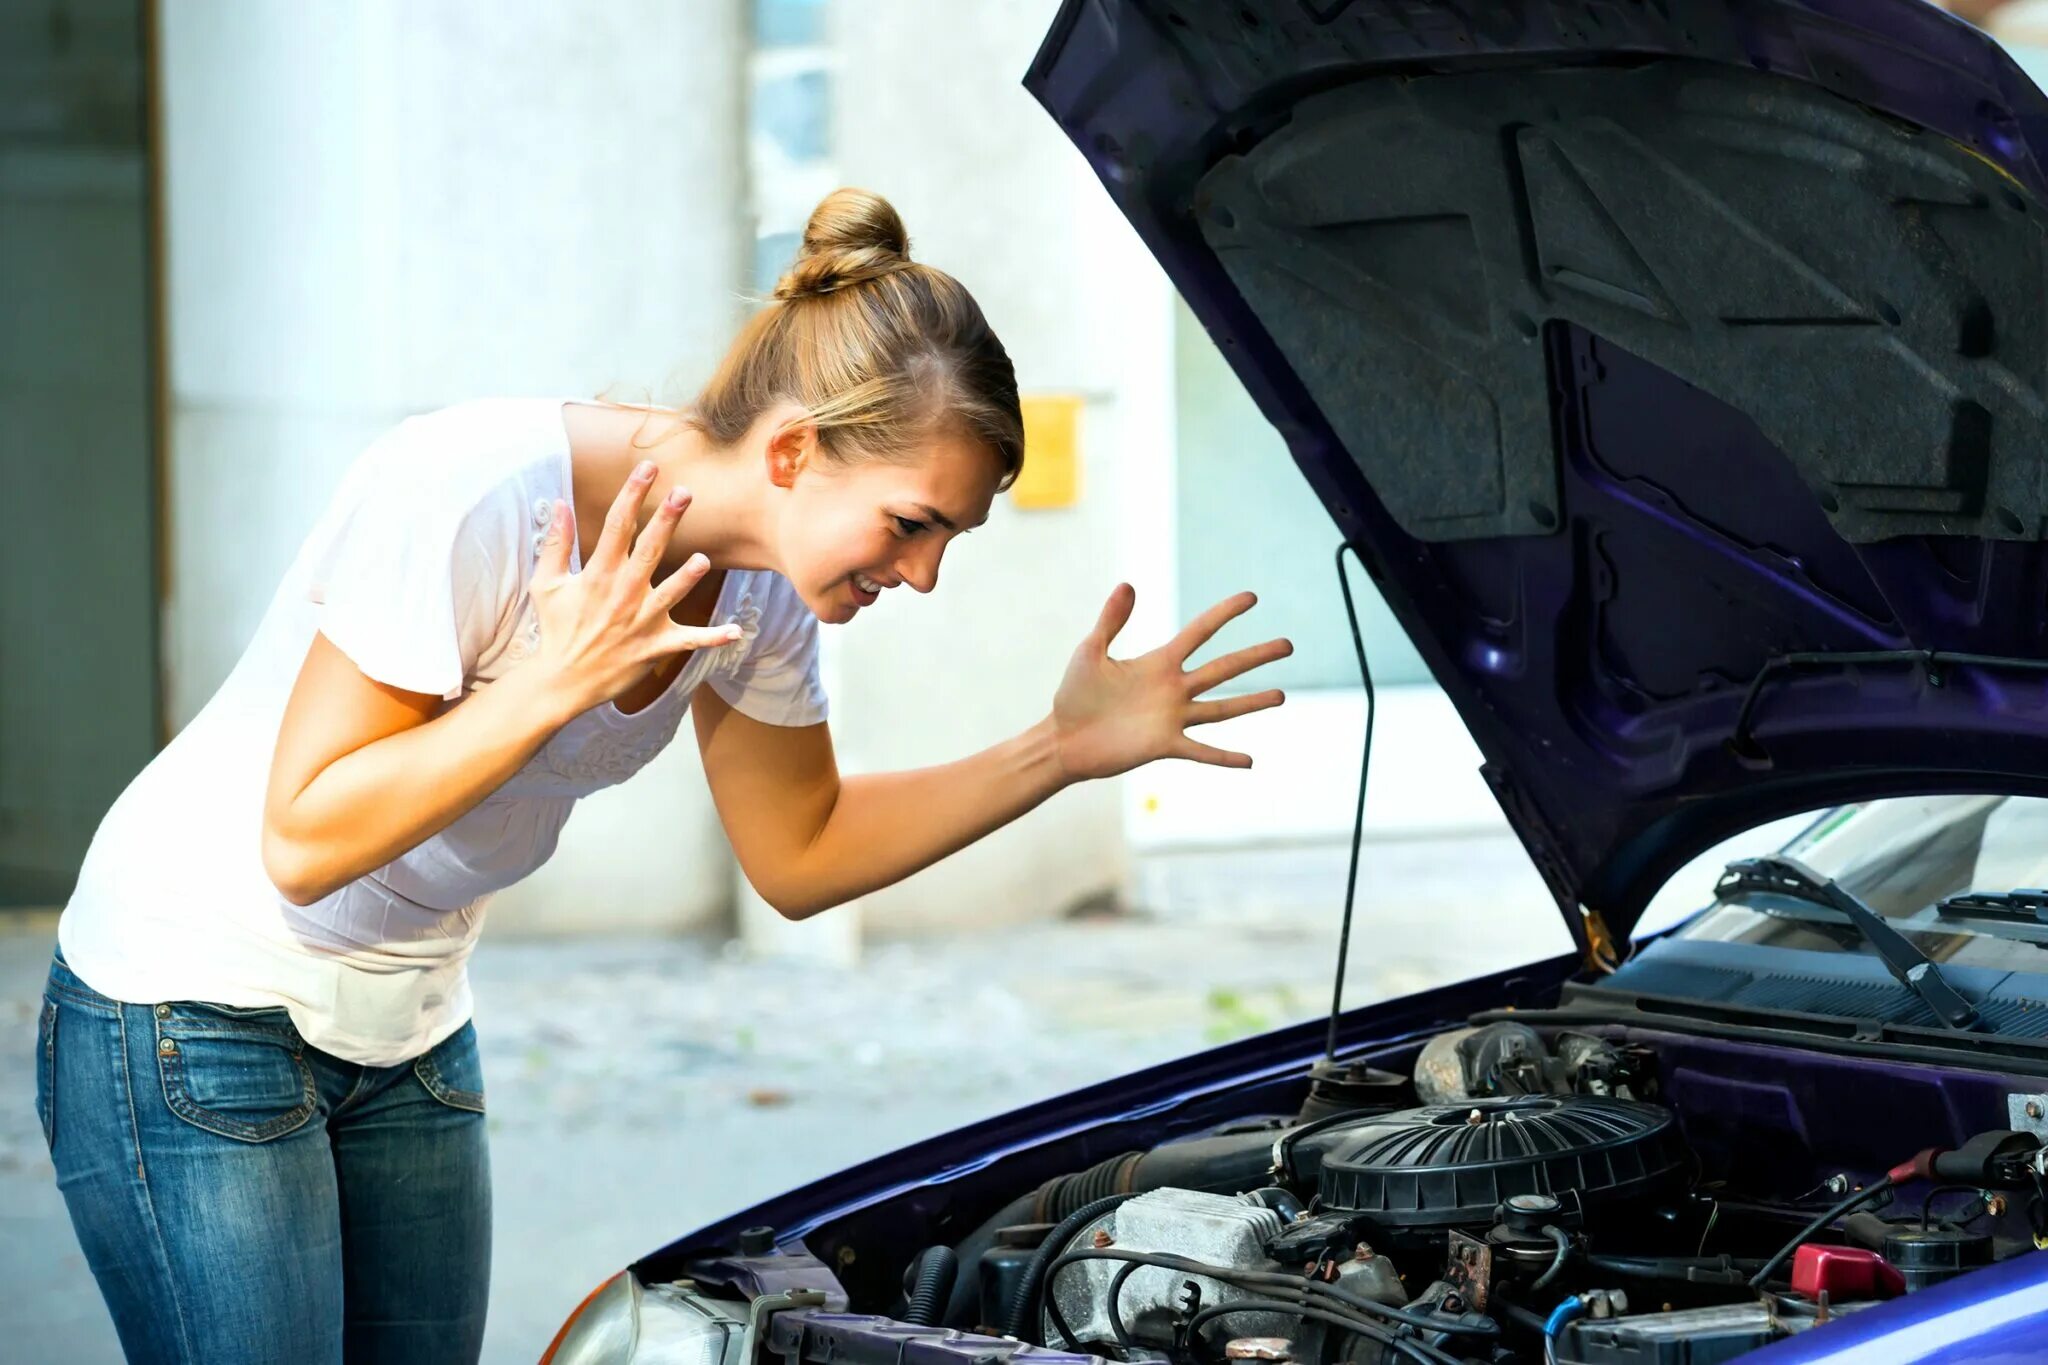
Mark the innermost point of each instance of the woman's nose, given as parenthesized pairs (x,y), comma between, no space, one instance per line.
(921,569)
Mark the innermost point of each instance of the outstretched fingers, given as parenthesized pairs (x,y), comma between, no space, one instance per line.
(669,592)
(660,529)
(1211,755)
(614,542)
(1197,632)
(1235,664)
(699,637)
(1230,708)
(1116,614)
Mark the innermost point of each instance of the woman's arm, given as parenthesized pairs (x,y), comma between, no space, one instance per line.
(364,771)
(809,840)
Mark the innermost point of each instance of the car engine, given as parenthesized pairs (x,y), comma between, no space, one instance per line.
(1511,1195)
(1517,1198)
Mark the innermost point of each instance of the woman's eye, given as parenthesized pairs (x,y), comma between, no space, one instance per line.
(906,527)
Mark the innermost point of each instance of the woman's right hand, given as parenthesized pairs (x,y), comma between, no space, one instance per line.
(606,628)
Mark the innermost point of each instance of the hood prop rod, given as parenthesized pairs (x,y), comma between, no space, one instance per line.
(1358,817)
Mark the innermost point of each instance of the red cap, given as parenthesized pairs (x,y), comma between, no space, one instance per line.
(1844,1273)
(1919,1167)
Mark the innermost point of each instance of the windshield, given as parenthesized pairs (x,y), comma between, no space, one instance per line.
(1902,857)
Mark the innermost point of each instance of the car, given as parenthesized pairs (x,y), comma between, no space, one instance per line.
(1678,371)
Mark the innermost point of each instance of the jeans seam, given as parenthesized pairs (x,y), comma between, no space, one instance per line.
(47,1065)
(163,1251)
(362,1074)
(183,1027)
(437,1086)
(97,1004)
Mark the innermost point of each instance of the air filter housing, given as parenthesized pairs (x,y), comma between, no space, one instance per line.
(1451,1164)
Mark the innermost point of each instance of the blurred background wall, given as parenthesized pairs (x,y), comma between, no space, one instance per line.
(80,433)
(374,209)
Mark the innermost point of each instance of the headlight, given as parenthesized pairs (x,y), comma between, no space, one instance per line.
(623,1323)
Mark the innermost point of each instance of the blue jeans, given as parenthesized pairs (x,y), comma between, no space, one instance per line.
(243,1196)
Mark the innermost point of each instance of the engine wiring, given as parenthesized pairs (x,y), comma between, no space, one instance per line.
(1953,1218)
(1378,1317)
(1881,1186)
(1408,1346)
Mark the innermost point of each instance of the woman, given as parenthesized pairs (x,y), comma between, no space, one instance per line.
(256,1070)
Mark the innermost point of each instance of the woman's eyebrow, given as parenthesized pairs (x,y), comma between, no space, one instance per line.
(933,514)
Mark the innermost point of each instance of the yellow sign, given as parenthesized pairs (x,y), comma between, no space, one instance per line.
(1052,452)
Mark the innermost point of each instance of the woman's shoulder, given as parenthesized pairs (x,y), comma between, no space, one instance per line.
(771,614)
(478,455)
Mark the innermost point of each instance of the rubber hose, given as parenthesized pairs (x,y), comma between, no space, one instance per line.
(932,1278)
(1564,1252)
(1062,1194)
(1281,1201)
(1055,1242)
(1223,1163)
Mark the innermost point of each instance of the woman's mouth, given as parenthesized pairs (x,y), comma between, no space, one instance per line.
(866,590)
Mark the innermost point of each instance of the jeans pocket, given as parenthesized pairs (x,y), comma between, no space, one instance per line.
(46,1071)
(240,1073)
(452,1072)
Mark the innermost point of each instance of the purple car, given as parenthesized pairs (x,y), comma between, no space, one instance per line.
(1678,371)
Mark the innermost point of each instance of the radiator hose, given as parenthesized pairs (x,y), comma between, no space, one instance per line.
(1048,1251)
(931,1284)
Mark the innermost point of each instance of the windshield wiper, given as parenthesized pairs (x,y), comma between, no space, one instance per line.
(1794,880)
(2023,906)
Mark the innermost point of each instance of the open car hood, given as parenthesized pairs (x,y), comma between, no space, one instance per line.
(1679,369)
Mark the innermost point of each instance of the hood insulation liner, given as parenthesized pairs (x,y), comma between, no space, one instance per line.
(1405,241)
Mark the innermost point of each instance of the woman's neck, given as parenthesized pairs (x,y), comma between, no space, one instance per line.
(724,521)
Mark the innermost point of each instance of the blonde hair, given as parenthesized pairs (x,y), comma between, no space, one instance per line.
(879,349)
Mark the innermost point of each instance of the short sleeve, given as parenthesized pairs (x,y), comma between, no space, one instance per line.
(775,681)
(412,582)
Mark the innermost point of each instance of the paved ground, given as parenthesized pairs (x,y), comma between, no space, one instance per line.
(639,1088)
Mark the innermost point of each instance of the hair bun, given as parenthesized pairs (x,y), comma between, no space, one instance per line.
(853,236)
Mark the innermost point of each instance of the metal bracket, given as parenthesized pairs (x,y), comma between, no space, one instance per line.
(1602,954)
(766,1306)
(2028,1114)
(1470,1271)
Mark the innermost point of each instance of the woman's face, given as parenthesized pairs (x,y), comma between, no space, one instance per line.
(849,533)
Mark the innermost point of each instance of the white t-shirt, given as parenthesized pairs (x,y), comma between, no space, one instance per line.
(418,570)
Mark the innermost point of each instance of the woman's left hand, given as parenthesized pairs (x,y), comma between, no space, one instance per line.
(1111,715)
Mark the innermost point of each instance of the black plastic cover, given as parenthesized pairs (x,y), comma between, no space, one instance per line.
(1453,1164)
(1925,1256)
(1700,1336)
(1692,1336)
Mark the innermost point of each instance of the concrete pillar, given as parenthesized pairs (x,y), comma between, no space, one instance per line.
(375,208)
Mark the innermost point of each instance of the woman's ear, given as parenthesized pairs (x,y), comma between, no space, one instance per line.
(791,448)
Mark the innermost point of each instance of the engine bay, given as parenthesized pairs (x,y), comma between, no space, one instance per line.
(1508,1194)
